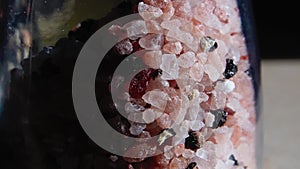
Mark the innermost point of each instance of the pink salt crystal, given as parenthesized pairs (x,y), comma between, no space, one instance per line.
(164,121)
(174,104)
(154,27)
(169,66)
(178,163)
(221,14)
(159,3)
(184,9)
(179,149)
(171,24)
(168,13)
(202,57)
(212,72)
(135,29)
(207,156)
(149,115)
(168,153)
(141,151)
(187,59)
(224,146)
(116,30)
(124,47)
(196,71)
(218,62)
(152,41)
(149,12)
(156,98)
(153,59)
(188,154)
(173,47)
(184,37)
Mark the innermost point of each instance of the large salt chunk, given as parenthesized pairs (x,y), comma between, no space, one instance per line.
(171,24)
(156,98)
(135,29)
(173,47)
(187,59)
(149,115)
(225,86)
(197,71)
(170,67)
(153,59)
(212,72)
(152,41)
(153,26)
(149,12)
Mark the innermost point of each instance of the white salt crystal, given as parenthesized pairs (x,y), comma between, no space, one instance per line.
(196,125)
(173,47)
(212,72)
(154,27)
(169,66)
(152,41)
(149,12)
(197,71)
(209,119)
(187,59)
(171,24)
(188,154)
(202,57)
(201,153)
(136,128)
(149,115)
(156,98)
(153,59)
(135,29)
(225,86)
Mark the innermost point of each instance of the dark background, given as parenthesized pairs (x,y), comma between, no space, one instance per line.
(277,29)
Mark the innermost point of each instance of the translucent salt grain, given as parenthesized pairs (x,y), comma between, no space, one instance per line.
(154,27)
(135,29)
(168,153)
(187,59)
(149,12)
(202,57)
(188,154)
(156,98)
(225,86)
(201,153)
(149,115)
(153,59)
(137,128)
(196,125)
(173,47)
(169,66)
(179,149)
(168,13)
(209,119)
(124,47)
(164,121)
(197,71)
(177,163)
(152,41)
(212,72)
(171,24)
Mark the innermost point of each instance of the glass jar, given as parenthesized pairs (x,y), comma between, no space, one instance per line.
(129,84)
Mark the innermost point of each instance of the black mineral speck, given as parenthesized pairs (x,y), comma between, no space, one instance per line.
(232,157)
(192,141)
(231,69)
(191,165)
(220,118)
(156,73)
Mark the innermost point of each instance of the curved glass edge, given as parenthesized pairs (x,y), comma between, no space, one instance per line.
(249,31)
